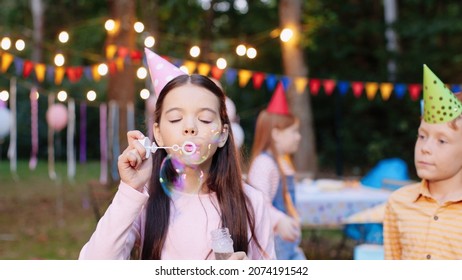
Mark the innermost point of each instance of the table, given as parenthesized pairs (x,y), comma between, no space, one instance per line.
(327,203)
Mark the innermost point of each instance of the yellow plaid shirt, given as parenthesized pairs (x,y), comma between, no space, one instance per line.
(416,226)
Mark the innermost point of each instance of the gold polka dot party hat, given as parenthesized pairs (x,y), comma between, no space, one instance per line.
(440,104)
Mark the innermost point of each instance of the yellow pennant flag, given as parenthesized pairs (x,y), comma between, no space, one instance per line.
(40,69)
(190,65)
(6,61)
(385,89)
(300,84)
(94,73)
(244,77)
(204,69)
(120,64)
(371,90)
(110,51)
(59,75)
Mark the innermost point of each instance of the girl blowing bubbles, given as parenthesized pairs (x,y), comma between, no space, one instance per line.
(271,170)
(166,223)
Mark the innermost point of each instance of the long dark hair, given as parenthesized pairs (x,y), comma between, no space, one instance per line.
(224,178)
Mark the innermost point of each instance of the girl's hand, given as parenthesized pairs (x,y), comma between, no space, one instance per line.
(238,256)
(288,228)
(134,169)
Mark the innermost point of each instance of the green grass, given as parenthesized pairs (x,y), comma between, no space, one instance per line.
(42,218)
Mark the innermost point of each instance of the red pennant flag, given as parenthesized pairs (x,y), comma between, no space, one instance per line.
(217,72)
(315,85)
(414,91)
(123,52)
(258,78)
(112,67)
(329,86)
(136,55)
(27,68)
(74,73)
(357,88)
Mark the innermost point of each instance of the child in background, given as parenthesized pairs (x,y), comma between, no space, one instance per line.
(271,170)
(177,223)
(423,220)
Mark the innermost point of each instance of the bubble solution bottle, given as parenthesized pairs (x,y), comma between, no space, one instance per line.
(222,244)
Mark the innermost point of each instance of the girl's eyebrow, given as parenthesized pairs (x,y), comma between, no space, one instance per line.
(200,110)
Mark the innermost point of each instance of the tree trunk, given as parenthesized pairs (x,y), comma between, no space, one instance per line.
(37,8)
(121,88)
(294,65)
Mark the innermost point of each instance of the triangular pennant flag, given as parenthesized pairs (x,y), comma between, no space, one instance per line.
(50,74)
(59,75)
(414,91)
(371,90)
(271,81)
(87,73)
(244,77)
(329,86)
(343,87)
(18,65)
(300,84)
(217,72)
(112,67)
(455,88)
(40,71)
(440,104)
(204,69)
(258,78)
(357,88)
(110,51)
(400,90)
(231,75)
(120,63)
(123,52)
(385,90)
(95,73)
(190,65)
(7,59)
(28,67)
(286,82)
(315,85)
(136,56)
(74,73)
(278,103)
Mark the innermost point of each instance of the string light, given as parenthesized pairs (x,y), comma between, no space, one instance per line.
(4,95)
(221,63)
(63,37)
(20,45)
(141,73)
(102,69)
(195,51)
(59,60)
(251,53)
(144,94)
(62,96)
(286,35)
(184,69)
(91,95)
(149,42)
(138,26)
(5,43)
(241,50)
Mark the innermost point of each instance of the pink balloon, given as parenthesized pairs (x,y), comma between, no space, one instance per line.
(57,116)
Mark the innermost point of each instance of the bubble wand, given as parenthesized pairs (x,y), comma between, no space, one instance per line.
(188,147)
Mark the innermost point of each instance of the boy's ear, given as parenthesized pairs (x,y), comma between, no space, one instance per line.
(157,135)
(223,136)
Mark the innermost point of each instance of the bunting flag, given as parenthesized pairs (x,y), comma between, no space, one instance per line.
(244,77)
(117,58)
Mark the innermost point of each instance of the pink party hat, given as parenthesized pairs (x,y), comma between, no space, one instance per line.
(161,70)
(278,103)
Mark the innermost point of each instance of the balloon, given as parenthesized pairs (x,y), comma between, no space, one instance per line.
(230,109)
(238,134)
(57,116)
(5,122)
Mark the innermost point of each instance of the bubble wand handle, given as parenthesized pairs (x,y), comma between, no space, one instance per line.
(188,147)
